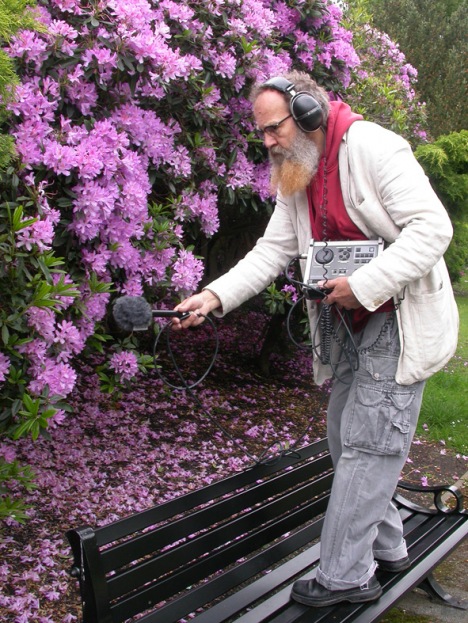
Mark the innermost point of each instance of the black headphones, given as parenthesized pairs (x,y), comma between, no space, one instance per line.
(305,110)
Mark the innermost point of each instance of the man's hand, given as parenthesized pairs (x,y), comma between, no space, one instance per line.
(199,305)
(341,293)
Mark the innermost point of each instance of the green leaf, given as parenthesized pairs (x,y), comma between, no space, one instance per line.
(5,334)
(21,430)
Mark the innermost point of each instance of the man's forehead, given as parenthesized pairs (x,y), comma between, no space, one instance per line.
(270,103)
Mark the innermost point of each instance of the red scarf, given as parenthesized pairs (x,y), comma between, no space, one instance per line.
(327,198)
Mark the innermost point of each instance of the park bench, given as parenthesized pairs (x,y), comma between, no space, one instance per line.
(231,550)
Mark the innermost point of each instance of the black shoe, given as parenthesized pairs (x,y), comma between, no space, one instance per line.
(394,566)
(311,593)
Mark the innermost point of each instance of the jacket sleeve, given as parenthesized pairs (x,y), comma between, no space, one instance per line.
(393,199)
(262,264)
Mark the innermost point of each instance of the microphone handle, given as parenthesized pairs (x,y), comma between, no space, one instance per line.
(169,313)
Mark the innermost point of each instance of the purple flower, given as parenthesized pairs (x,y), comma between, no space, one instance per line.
(241,173)
(95,306)
(36,351)
(69,6)
(133,287)
(39,234)
(60,158)
(103,56)
(57,419)
(30,136)
(96,260)
(42,320)
(64,35)
(203,206)
(60,377)
(258,17)
(8,453)
(84,95)
(34,101)
(290,289)
(225,64)
(4,366)
(124,364)
(68,337)
(30,46)
(188,271)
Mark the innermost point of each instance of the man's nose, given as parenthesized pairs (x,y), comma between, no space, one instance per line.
(269,141)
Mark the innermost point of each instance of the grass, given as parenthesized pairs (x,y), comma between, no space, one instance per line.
(444,412)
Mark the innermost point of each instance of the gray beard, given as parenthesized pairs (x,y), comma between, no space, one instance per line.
(293,169)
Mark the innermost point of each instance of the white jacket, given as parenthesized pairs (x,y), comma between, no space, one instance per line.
(386,194)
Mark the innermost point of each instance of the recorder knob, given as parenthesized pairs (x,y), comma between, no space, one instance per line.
(324,256)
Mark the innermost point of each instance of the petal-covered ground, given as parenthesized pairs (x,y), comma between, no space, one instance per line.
(121,453)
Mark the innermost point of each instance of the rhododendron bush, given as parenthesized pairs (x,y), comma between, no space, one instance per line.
(132,127)
(133,130)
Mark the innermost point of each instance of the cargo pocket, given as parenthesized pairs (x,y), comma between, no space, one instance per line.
(380,420)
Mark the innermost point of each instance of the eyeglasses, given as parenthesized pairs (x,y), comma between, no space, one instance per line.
(272,129)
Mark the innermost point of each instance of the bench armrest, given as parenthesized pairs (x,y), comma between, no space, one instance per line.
(440,496)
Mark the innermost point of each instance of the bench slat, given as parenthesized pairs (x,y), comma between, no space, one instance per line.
(214,514)
(279,608)
(161,512)
(222,536)
(427,532)
(262,587)
(234,552)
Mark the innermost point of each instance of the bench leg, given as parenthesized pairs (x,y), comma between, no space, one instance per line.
(430,586)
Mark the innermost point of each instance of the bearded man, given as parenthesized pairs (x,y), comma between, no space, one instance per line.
(339,177)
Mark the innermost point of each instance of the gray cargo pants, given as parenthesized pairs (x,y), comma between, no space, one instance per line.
(371,422)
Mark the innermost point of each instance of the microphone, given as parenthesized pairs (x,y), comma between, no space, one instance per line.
(134,313)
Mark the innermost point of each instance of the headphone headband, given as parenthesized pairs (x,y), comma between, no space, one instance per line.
(283,85)
(305,109)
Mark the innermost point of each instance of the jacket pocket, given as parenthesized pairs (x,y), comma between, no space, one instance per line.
(429,328)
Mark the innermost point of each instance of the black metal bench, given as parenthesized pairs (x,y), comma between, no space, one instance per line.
(231,550)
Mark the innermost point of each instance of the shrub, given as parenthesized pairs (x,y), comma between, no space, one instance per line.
(132,126)
(446,164)
(383,85)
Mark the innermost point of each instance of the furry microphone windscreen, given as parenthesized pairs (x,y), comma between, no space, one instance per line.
(132,313)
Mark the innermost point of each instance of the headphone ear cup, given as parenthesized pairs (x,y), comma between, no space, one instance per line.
(306,111)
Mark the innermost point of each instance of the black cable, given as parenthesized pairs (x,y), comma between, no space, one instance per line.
(189,387)
(268,456)
(325,324)
(165,331)
(331,319)
(328,325)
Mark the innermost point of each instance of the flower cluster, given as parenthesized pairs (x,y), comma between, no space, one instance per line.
(124,364)
(4,367)
(124,104)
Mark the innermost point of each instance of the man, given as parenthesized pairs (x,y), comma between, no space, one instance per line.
(341,178)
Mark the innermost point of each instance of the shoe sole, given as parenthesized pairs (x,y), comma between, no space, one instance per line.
(392,569)
(332,601)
